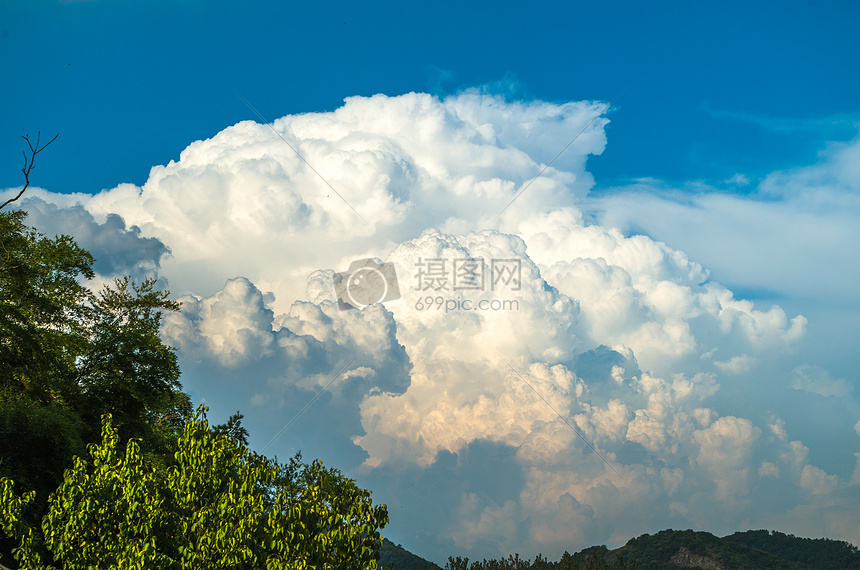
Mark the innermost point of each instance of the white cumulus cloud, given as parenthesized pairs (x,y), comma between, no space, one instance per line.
(547,382)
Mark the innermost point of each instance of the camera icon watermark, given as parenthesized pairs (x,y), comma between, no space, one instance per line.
(366,282)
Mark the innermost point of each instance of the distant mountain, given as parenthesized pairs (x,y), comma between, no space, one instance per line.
(818,553)
(673,549)
(395,557)
(751,550)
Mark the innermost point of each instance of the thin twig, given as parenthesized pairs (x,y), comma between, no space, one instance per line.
(34,150)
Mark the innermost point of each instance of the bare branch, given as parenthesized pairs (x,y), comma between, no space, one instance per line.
(28,165)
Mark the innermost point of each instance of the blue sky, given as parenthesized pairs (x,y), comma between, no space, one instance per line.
(704,87)
(690,262)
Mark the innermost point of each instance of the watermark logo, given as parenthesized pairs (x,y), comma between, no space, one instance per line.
(366,282)
(443,281)
(468,274)
(451,304)
(465,276)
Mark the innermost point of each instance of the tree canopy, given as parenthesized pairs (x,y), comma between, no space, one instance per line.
(218,505)
(68,355)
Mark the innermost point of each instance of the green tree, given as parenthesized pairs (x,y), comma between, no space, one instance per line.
(67,356)
(219,505)
(127,370)
(233,428)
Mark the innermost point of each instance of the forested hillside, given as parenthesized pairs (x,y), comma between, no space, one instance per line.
(395,557)
(670,550)
(819,553)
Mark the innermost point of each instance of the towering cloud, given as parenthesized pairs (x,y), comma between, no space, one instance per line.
(542,382)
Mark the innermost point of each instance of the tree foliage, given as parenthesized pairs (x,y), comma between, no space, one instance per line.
(217,506)
(68,355)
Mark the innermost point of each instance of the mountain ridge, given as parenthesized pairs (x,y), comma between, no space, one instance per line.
(668,550)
